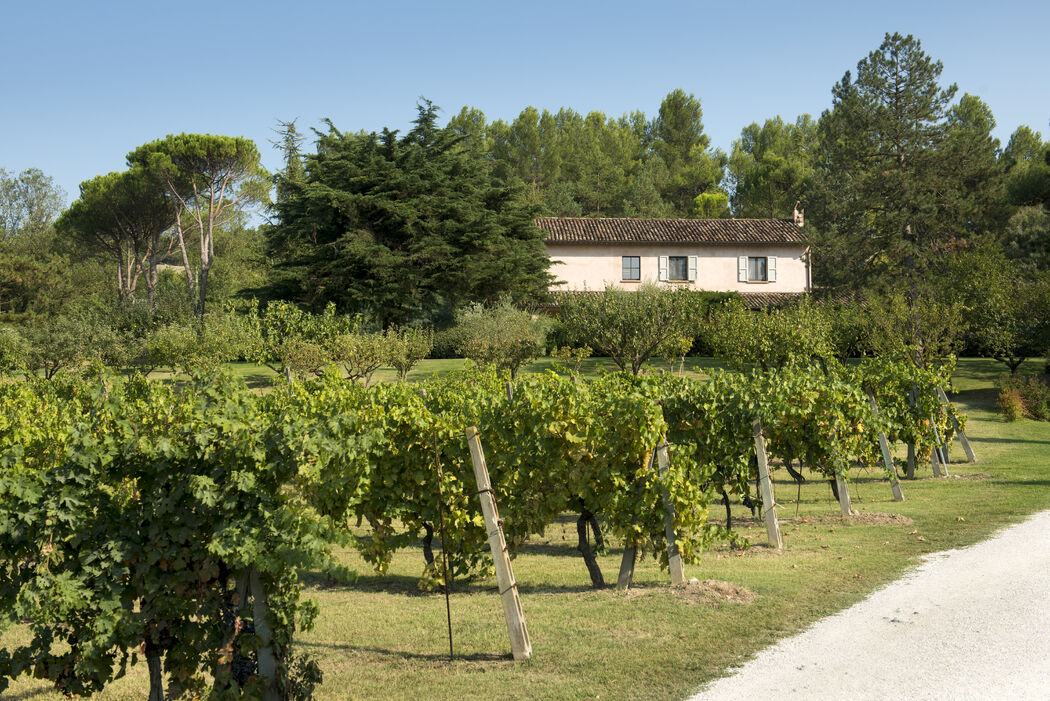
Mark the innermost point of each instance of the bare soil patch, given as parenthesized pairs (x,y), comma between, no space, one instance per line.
(861,518)
(707,592)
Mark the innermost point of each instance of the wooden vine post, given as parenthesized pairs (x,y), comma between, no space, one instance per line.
(843,490)
(887,457)
(267,662)
(674,557)
(967,448)
(520,645)
(940,461)
(765,485)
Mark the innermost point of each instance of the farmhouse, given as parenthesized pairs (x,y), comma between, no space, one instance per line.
(765,259)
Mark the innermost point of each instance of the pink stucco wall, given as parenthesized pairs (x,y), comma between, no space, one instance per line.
(593,266)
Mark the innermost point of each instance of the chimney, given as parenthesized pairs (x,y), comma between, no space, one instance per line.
(799,215)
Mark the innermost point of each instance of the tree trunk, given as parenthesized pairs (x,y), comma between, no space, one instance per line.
(834,489)
(599,541)
(729,512)
(428,543)
(585,549)
(910,473)
(156,674)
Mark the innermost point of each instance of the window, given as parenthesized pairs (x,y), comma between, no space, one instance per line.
(757,269)
(632,268)
(678,268)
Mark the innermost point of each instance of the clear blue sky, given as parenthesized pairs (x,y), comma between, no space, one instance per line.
(83,83)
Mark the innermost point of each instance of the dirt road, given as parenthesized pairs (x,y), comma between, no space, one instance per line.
(966,624)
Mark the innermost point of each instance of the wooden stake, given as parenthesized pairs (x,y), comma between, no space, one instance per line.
(630,550)
(267,662)
(630,556)
(674,558)
(844,501)
(941,458)
(510,391)
(444,541)
(887,457)
(765,485)
(967,448)
(520,645)
(935,463)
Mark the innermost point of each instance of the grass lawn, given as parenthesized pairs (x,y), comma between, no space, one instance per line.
(383,638)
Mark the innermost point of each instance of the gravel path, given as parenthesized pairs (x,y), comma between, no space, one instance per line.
(966,624)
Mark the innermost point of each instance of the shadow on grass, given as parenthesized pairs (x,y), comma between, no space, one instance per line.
(1007,440)
(36,694)
(406,655)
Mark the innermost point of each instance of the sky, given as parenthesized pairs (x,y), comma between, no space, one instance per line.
(84,83)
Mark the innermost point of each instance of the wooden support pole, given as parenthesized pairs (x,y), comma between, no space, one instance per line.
(630,550)
(887,457)
(844,501)
(935,463)
(674,558)
(626,576)
(765,485)
(520,645)
(941,457)
(967,448)
(510,391)
(267,662)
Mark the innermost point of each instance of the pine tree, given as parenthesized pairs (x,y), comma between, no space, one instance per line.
(891,178)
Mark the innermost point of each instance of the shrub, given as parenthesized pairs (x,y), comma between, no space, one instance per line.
(12,350)
(502,337)
(407,346)
(630,326)
(771,338)
(1021,396)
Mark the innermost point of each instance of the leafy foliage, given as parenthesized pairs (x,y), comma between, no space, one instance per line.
(631,326)
(404,229)
(501,337)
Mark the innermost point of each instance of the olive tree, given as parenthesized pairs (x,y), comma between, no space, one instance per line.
(502,336)
(629,326)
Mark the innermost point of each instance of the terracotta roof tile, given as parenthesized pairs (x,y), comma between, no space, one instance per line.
(710,231)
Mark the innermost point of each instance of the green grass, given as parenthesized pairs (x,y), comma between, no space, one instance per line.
(383,638)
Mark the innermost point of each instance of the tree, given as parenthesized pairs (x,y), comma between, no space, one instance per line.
(209,180)
(1027,237)
(30,202)
(503,337)
(629,326)
(32,275)
(406,228)
(679,141)
(770,338)
(1025,163)
(886,178)
(12,350)
(1007,305)
(123,216)
(290,144)
(405,347)
(771,166)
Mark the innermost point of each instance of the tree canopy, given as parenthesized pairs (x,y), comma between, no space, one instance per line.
(403,227)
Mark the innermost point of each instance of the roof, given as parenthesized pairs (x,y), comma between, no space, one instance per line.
(709,231)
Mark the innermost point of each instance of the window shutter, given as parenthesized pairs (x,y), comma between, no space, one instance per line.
(663,267)
(741,269)
(771,268)
(692,269)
